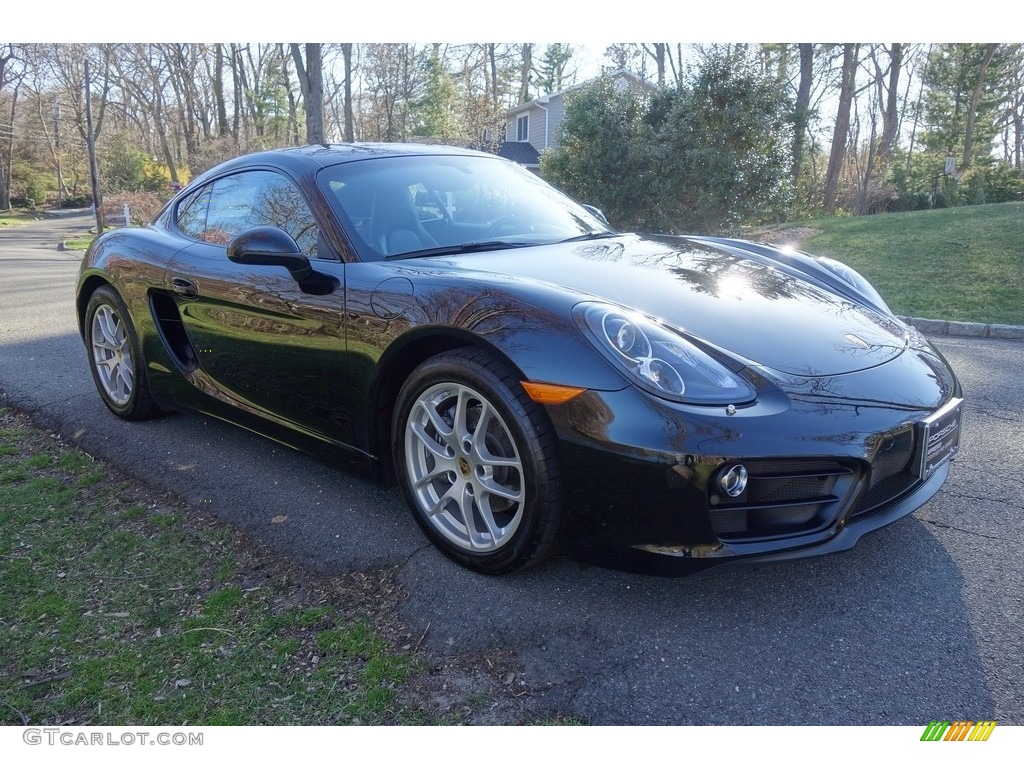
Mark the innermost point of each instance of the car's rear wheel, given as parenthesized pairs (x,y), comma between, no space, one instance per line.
(477,462)
(115,357)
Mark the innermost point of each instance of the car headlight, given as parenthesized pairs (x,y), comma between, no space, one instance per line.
(658,359)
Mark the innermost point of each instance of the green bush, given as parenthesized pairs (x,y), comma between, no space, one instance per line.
(991,183)
(708,156)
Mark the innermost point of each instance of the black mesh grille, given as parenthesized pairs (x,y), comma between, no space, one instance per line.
(884,492)
(890,478)
(789,489)
(783,498)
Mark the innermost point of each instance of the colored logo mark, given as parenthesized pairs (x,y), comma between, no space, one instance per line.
(961,730)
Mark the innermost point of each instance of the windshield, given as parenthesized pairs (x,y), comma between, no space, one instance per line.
(404,206)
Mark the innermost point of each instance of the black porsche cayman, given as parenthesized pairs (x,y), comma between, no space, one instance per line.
(452,321)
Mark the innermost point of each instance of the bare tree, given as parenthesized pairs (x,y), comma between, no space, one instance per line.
(526,67)
(346,53)
(841,132)
(802,107)
(311,82)
(658,52)
(11,74)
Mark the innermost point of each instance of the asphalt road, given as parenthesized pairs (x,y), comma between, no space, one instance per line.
(924,620)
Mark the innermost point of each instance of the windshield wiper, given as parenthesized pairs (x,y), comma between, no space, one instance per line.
(471,247)
(590,236)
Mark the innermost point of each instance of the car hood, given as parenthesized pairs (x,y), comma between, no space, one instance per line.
(743,303)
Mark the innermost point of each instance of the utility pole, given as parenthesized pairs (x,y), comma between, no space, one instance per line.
(94,174)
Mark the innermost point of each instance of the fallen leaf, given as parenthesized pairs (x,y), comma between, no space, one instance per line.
(279,518)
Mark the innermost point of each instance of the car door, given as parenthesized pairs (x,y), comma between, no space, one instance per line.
(262,341)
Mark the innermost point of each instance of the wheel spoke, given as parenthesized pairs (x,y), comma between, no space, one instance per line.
(436,473)
(467,506)
(126,376)
(492,486)
(460,424)
(441,504)
(108,326)
(483,456)
(438,451)
(117,383)
(495,530)
(108,364)
(440,425)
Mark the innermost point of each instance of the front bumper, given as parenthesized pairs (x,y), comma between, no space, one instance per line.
(641,477)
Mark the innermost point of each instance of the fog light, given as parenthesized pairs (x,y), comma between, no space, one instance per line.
(733,481)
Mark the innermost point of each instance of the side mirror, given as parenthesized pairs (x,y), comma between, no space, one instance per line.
(270,247)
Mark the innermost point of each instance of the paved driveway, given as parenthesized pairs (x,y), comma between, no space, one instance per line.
(923,620)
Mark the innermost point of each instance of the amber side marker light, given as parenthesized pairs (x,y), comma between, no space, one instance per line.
(551,394)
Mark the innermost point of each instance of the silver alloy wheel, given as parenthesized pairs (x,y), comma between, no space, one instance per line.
(464,469)
(112,354)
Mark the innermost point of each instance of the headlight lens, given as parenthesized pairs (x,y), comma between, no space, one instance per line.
(659,360)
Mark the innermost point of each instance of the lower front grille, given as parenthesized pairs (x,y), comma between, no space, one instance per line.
(890,475)
(784,498)
(792,497)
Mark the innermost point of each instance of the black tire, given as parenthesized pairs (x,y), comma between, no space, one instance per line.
(115,357)
(500,463)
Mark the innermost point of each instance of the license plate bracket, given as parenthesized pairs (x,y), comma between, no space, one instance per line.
(938,438)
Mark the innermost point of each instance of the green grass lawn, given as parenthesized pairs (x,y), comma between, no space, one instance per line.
(79,242)
(14,217)
(119,606)
(963,263)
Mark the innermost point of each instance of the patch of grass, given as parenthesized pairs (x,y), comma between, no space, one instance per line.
(964,263)
(12,218)
(117,610)
(79,242)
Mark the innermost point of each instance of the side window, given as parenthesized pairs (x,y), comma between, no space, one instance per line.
(191,217)
(245,200)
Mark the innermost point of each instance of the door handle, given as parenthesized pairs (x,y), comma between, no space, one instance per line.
(184,287)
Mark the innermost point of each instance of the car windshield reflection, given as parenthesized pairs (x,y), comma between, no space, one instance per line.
(437,205)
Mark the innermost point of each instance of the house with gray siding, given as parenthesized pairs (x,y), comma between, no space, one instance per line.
(532,128)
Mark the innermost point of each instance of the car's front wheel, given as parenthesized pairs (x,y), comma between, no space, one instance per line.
(477,462)
(115,357)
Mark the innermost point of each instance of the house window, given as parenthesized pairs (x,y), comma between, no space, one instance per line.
(523,128)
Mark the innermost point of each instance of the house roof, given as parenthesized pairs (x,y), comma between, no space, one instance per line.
(624,74)
(521,152)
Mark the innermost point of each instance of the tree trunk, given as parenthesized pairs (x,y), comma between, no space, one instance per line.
(891,115)
(218,90)
(492,58)
(801,111)
(7,153)
(524,73)
(972,111)
(293,118)
(311,82)
(346,56)
(842,128)
(236,79)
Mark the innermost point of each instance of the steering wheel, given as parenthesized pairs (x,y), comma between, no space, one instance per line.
(507,225)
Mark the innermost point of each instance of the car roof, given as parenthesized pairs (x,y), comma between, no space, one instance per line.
(311,158)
